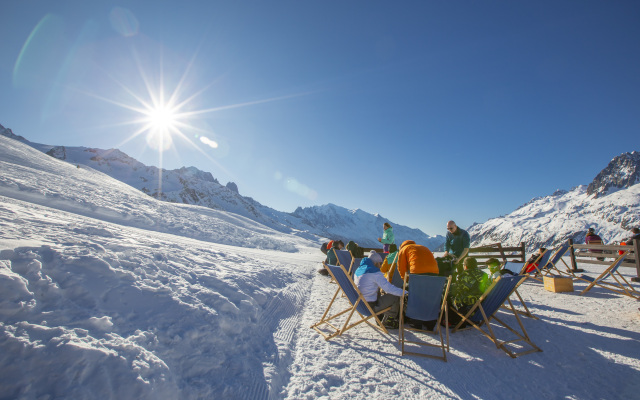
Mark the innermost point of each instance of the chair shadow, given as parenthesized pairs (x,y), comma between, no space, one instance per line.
(476,368)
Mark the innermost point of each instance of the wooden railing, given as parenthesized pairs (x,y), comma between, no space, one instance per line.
(496,250)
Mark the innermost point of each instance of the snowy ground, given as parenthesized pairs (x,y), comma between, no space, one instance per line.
(106,293)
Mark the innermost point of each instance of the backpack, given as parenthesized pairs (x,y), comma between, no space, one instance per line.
(446,266)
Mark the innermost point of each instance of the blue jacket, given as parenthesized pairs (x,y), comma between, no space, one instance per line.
(456,243)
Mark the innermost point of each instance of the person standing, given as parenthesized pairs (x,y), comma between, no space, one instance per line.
(387,237)
(456,244)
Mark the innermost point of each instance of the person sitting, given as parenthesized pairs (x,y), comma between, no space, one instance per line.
(388,261)
(332,259)
(369,279)
(494,267)
(592,238)
(531,263)
(467,289)
(635,236)
(355,250)
(416,259)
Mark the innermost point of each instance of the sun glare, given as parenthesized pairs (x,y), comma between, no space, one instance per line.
(162,118)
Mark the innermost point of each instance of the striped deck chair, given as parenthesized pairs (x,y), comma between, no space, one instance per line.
(539,264)
(620,284)
(483,312)
(557,257)
(427,301)
(358,307)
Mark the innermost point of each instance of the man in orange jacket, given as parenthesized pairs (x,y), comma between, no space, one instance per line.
(416,259)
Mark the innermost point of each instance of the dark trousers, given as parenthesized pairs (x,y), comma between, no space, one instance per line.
(384,301)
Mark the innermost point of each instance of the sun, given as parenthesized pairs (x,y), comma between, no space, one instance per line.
(162,118)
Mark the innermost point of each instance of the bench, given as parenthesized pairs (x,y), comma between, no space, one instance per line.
(580,253)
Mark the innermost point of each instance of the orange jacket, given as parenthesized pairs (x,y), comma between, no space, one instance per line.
(416,259)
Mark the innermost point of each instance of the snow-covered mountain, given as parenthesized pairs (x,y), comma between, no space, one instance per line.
(610,204)
(193,186)
(337,222)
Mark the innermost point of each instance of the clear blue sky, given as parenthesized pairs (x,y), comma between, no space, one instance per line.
(422,111)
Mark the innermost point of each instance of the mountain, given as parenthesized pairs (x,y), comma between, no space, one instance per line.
(622,172)
(339,223)
(610,204)
(189,185)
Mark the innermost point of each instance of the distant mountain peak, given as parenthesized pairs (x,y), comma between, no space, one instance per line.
(621,173)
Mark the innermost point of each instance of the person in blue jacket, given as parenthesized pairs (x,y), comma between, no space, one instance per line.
(370,280)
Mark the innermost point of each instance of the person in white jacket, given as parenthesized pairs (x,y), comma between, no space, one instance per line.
(369,280)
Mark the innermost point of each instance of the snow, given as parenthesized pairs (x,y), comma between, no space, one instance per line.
(107,293)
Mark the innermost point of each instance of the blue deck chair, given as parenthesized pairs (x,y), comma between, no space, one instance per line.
(396,279)
(358,307)
(557,257)
(483,312)
(621,285)
(344,258)
(427,301)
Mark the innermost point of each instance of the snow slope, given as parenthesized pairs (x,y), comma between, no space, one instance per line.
(106,293)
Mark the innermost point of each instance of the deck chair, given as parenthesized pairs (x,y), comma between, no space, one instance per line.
(557,257)
(396,279)
(427,301)
(344,258)
(514,267)
(483,312)
(539,264)
(358,307)
(620,284)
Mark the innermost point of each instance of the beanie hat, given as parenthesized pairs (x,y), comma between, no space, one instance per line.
(591,230)
(375,257)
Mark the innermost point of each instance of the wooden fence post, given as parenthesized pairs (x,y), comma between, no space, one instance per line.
(574,266)
(636,255)
(522,252)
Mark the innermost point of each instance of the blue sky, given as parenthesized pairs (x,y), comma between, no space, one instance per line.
(421,111)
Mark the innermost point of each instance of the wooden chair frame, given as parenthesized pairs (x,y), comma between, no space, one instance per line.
(555,258)
(526,312)
(621,285)
(358,306)
(495,296)
(444,311)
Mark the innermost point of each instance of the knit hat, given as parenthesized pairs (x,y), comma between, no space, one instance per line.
(375,257)
(591,230)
